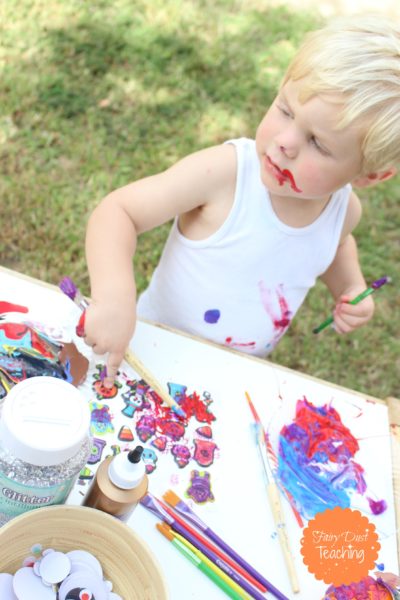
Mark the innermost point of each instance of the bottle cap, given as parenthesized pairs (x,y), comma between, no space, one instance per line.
(44,421)
(127,469)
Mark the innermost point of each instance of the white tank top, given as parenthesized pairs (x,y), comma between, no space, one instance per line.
(243,285)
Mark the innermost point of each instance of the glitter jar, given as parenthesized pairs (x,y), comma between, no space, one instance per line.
(44,443)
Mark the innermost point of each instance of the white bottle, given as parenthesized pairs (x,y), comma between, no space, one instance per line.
(44,443)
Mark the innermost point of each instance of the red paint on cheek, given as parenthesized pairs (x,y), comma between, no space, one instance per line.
(288,175)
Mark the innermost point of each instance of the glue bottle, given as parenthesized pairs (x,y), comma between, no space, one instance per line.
(120,483)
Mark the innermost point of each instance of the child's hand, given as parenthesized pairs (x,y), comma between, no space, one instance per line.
(109,326)
(348,317)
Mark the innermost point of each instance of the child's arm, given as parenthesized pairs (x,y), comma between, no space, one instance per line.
(345,280)
(200,187)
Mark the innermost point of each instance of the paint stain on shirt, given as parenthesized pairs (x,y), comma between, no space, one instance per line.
(212,315)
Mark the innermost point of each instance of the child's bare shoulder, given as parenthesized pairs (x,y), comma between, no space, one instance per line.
(213,167)
(214,173)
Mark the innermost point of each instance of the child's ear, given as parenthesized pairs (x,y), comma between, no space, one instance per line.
(374,178)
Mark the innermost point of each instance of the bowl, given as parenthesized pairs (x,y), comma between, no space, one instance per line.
(125,558)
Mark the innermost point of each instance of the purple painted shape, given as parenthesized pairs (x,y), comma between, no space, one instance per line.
(377,506)
(212,315)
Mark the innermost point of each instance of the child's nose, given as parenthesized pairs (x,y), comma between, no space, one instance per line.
(288,143)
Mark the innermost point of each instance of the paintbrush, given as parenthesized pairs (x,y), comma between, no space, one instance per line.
(156,506)
(373,287)
(201,562)
(274,497)
(184,509)
(69,288)
(215,549)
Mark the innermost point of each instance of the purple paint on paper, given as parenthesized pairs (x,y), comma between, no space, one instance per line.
(366,588)
(377,506)
(212,315)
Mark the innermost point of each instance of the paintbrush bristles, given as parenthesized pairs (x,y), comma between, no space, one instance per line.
(165,530)
(171,498)
(67,286)
(184,509)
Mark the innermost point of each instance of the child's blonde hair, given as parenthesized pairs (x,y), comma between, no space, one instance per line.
(358,58)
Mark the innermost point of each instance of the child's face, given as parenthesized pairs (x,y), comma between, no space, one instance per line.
(301,154)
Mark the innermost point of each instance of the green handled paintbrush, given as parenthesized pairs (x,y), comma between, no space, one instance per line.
(374,286)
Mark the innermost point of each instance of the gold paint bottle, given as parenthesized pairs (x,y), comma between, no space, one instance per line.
(119,484)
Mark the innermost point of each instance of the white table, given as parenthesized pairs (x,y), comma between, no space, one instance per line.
(240,512)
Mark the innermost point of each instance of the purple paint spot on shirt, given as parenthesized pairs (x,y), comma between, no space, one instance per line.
(212,315)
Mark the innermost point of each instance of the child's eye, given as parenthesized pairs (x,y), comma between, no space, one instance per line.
(285,111)
(318,146)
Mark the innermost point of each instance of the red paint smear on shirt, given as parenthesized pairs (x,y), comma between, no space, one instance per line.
(230,341)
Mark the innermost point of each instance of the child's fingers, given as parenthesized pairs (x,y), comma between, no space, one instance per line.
(113,363)
(345,324)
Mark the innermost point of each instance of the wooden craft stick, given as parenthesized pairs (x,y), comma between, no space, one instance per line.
(135,362)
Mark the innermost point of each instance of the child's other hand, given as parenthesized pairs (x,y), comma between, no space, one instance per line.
(348,317)
(109,326)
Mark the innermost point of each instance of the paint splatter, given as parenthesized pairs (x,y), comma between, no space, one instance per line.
(229,341)
(366,588)
(280,321)
(316,460)
(377,506)
(212,316)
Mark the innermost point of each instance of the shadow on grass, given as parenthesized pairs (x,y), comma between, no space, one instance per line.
(90,60)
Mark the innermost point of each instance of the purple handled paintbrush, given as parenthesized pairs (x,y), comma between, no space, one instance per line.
(184,510)
(155,506)
(67,286)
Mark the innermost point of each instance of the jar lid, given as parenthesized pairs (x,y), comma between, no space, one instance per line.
(44,421)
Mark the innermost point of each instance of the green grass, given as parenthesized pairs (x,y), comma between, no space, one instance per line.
(96,94)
